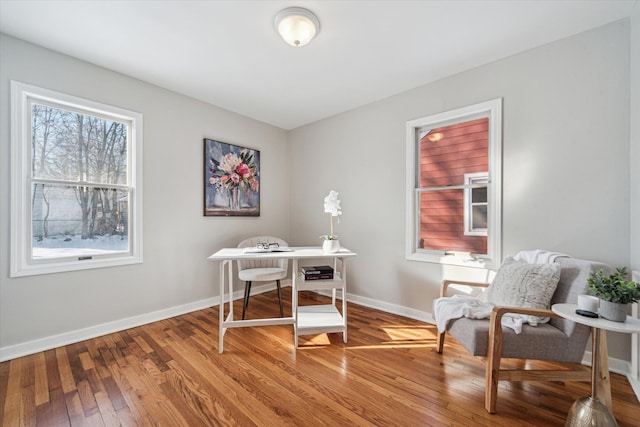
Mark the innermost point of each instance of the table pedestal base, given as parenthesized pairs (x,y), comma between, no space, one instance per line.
(588,411)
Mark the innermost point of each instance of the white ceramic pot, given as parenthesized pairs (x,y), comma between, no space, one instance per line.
(331,246)
(613,311)
(588,303)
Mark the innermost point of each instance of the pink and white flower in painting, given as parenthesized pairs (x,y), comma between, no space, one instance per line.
(234,171)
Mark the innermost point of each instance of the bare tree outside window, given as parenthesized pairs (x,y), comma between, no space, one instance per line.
(79,173)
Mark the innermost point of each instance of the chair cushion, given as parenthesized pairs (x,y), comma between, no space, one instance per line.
(520,284)
(543,342)
(262,274)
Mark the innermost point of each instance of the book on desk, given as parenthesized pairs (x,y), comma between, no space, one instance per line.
(317,272)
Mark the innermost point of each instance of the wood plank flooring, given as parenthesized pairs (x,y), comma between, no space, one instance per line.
(169,373)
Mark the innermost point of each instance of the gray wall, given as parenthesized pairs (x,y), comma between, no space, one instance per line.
(177,238)
(566,175)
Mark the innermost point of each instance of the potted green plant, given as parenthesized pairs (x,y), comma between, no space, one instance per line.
(615,292)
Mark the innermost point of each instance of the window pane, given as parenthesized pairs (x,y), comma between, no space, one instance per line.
(72,221)
(479,195)
(77,147)
(448,153)
(479,217)
(442,223)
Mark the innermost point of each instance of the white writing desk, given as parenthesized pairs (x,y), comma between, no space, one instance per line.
(308,320)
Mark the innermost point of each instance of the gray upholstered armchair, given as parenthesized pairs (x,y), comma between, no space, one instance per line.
(558,340)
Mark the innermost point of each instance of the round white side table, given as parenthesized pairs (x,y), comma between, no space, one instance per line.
(595,409)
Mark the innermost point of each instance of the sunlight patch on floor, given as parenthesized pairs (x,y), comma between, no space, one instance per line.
(317,341)
(409,333)
(391,345)
(403,336)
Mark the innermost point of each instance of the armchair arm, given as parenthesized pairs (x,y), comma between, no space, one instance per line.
(443,293)
(499,311)
(446,282)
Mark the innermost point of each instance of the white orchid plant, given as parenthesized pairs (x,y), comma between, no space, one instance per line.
(332,206)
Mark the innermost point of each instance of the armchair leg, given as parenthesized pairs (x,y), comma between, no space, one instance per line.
(492,373)
(280,297)
(441,342)
(247,292)
(491,390)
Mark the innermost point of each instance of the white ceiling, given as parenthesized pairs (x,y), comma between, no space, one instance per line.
(226,52)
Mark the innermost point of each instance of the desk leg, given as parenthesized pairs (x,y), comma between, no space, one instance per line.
(221,309)
(221,328)
(334,290)
(294,300)
(344,299)
(230,279)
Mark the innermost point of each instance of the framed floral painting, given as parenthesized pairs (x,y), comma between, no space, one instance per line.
(231,180)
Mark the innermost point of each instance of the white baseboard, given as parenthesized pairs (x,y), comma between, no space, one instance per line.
(11,352)
(392,308)
(618,366)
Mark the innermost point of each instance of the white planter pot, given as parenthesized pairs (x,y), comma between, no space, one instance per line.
(613,311)
(331,246)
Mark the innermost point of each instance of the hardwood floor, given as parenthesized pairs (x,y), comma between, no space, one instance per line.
(169,373)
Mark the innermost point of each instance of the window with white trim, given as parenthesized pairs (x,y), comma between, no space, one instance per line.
(76,190)
(454,186)
(475,203)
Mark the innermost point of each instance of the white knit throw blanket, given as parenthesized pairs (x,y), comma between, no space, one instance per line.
(457,306)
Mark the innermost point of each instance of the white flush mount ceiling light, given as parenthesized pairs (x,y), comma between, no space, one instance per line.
(296,25)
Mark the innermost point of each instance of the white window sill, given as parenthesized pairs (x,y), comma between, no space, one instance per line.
(466,260)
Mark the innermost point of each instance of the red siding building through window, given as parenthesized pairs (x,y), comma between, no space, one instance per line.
(446,155)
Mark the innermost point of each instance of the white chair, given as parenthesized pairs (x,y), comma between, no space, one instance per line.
(262,270)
